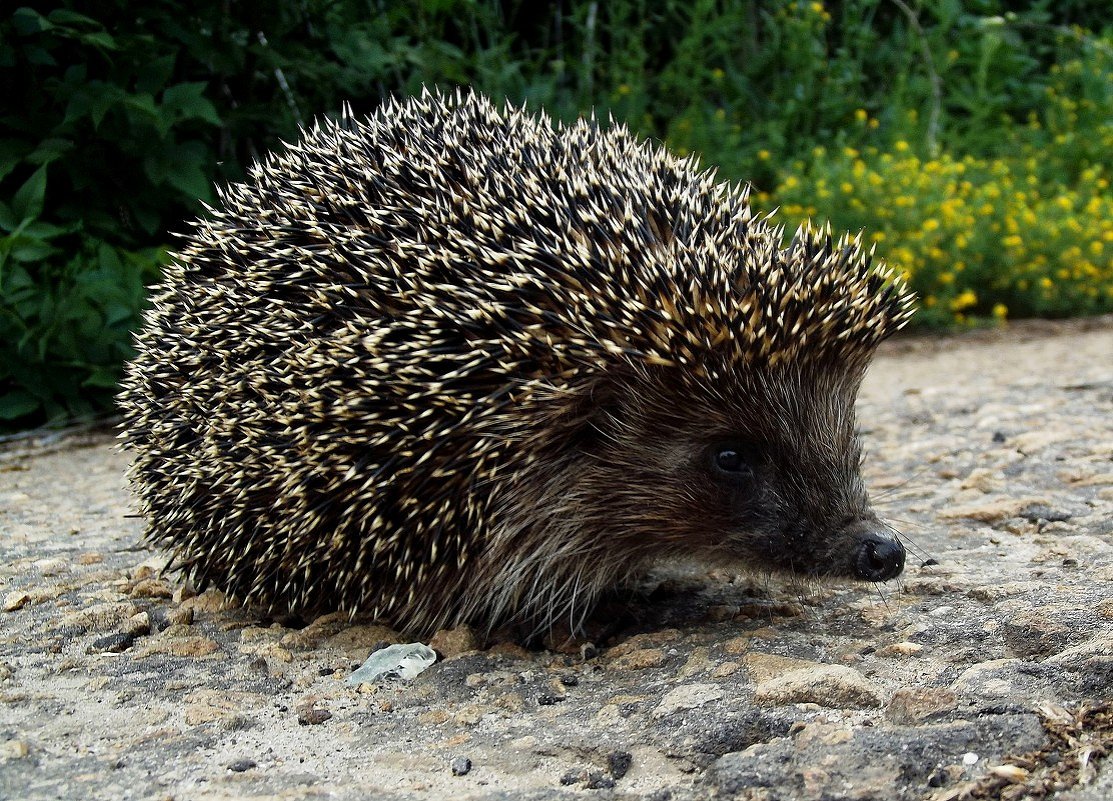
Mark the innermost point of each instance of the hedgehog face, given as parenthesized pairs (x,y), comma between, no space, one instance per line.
(765,473)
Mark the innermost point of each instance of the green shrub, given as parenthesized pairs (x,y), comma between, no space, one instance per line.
(120,116)
(1026,233)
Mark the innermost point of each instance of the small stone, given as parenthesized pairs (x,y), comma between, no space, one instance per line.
(618,763)
(834,686)
(992,511)
(112,643)
(1010,773)
(725,669)
(640,659)
(914,705)
(548,699)
(138,625)
(434,717)
(209,601)
(240,765)
(16,749)
(982,479)
(357,638)
(172,642)
(183,592)
(569,679)
(687,696)
(598,781)
(15,600)
(461,766)
(572,777)
(1041,511)
(180,616)
(453,642)
(900,649)
(310,715)
(763,667)
(152,588)
(469,715)
(99,617)
(651,640)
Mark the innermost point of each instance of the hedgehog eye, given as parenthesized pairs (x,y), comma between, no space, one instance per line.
(732,462)
(729,460)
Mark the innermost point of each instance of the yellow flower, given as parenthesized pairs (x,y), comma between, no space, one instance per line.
(965,300)
(763,155)
(1000,311)
(860,115)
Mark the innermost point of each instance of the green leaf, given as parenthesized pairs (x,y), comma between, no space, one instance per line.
(8,222)
(17,403)
(144,104)
(27,249)
(190,179)
(50,150)
(100,39)
(185,101)
(93,100)
(28,21)
(154,76)
(28,201)
(102,377)
(11,154)
(39,56)
(63,16)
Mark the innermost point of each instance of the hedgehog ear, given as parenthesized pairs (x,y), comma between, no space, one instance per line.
(593,418)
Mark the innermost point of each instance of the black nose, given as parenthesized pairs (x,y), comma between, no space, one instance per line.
(880,557)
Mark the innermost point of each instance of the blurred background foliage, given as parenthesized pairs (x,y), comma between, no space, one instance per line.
(970,140)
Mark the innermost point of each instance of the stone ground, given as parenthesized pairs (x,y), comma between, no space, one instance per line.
(985,672)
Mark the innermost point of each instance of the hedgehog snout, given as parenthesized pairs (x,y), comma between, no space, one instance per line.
(879,555)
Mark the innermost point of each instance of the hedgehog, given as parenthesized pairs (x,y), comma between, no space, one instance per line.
(452,363)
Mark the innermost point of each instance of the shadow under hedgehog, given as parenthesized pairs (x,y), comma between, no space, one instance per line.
(453,364)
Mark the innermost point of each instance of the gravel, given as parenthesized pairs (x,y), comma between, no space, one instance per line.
(986,671)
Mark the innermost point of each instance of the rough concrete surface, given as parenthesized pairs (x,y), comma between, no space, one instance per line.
(986,671)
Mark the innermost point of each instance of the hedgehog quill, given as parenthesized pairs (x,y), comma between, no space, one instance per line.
(452,363)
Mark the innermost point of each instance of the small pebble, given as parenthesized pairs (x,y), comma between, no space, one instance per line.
(571,777)
(618,763)
(112,643)
(461,766)
(312,715)
(240,765)
(598,781)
